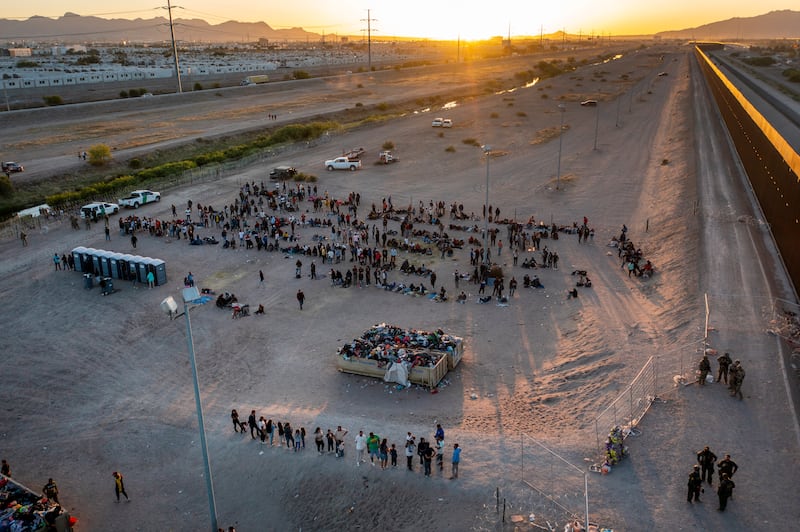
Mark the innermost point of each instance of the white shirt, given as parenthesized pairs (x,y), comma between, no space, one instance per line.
(361,442)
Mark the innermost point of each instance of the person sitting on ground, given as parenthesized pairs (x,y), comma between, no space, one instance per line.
(260,309)
(535,283)
(572,293)
(442,294)
(462,298)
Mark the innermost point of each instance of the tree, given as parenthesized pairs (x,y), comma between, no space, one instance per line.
(99,154)
(6,188)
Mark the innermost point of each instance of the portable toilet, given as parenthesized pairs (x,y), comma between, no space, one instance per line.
(97,267)
(77,257)
(160,271)
(105,262)
(126,268)
(116,265)
(141,268)
(87,262)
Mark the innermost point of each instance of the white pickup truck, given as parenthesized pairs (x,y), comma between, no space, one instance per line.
(343,163)
(140,197)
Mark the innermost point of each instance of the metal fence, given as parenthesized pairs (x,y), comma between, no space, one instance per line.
(630,406)
(563,486)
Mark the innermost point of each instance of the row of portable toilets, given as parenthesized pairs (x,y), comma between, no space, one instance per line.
(119,265)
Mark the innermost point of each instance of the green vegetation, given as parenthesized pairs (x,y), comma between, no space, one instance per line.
(123,94)
(388,145)
(522,114)
(25,63)
(792,75)
(762,61)
(450,149)
(198,86)
(6,188)
(471,142)
(99,155)
(53,100)
(301,74)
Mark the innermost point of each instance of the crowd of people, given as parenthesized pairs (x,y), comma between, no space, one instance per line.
(380,451)
(703,471)
(732,374)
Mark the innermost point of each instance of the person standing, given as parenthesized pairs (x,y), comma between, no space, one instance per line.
(134,240)
(724,362)
(301,297)
(393,454)
(260,278)
(439,434)
(410,449)
(361,445)
(50,490)
(319,439)
(433,280)
(694,484)
(373,447)
(427,459)
(383,451)
(440,453)
(5,469)
(253,423)
(736,379)
(724,491)
(24,237)
(456,460)
(340,434)
(727,466)
(313,270)
(331,439)
(237,424)
(706,458)
(270,431)
(151,279)
(705,369)
(108,233)
(56,261)
(119,486)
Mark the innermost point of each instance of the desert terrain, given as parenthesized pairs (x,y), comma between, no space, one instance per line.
(99,384)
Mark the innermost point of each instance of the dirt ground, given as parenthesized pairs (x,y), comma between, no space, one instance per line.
(96,384)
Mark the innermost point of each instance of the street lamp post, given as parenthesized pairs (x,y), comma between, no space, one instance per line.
(192,294)
(487,150)
(596,126)
(562,108)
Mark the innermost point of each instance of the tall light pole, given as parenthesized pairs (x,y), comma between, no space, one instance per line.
(596,125)
(189,295)
(487,150)
(562,108)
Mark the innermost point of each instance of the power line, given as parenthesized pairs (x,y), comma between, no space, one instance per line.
(369,38)
(169,9)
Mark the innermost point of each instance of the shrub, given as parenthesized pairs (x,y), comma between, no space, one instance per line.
(6,188)
(383,106)
(99,154)
(522,114)
(764,60)
(198,86)
(494,115)
(450,149)
(123,94)
(471,142)
(24,63)
(135,163)
(301,74)
(359,104)
(311,178)
(544,96)
(388,145)
(133,93)
(53,100)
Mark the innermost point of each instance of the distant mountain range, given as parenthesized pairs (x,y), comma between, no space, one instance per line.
(773,25)
(77,29)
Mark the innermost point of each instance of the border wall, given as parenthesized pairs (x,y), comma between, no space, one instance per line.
(771,164)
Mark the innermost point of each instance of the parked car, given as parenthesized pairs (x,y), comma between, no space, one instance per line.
(283,172)
(98,208)
(447,123)
(589,103)
(437,122)
(140,197)
(12,167)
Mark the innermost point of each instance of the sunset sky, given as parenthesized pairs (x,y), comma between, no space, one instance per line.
(436,19)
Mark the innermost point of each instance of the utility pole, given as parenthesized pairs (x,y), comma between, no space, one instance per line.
(169,9)
(369,39)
